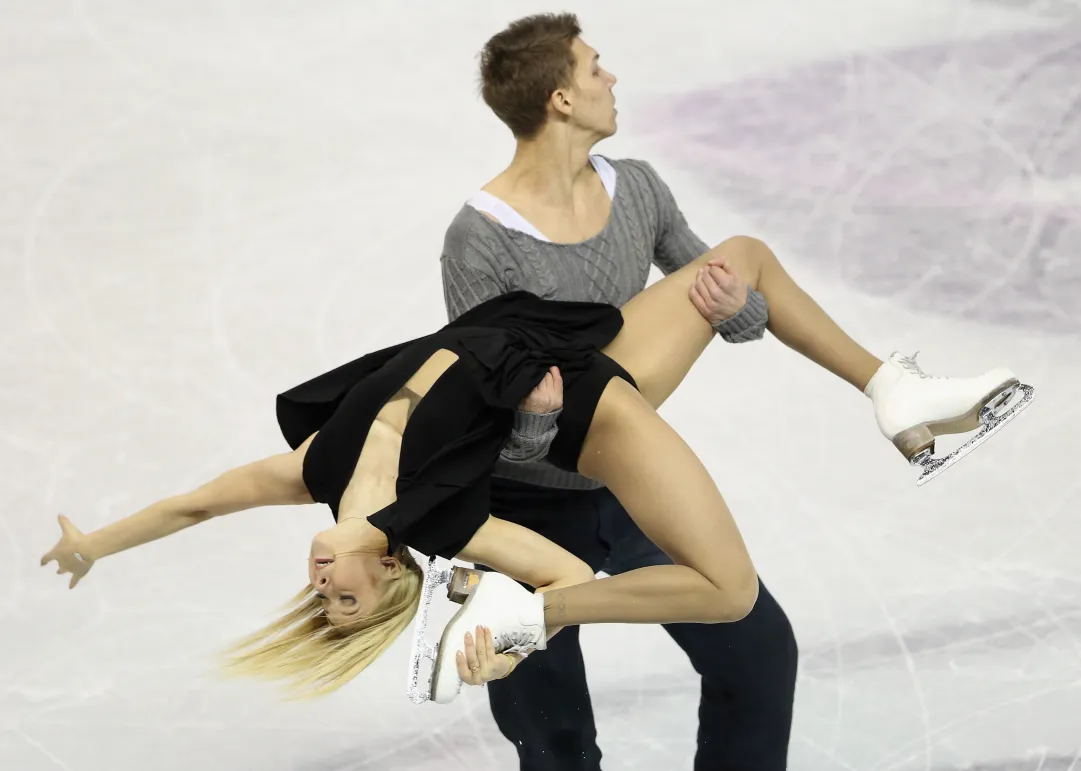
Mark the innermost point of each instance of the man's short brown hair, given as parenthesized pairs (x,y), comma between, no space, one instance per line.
(521,66)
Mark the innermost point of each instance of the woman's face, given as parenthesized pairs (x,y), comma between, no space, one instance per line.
(349,575)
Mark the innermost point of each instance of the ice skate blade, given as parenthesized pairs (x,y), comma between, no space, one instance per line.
(914,441)
(460,583)
(991,421)
(419,689)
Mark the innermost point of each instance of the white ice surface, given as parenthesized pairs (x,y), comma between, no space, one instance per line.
(205,203)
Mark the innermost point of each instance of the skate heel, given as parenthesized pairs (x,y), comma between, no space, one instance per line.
(462,583)
(912,441)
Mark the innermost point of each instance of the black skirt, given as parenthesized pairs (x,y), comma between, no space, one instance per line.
(454,437)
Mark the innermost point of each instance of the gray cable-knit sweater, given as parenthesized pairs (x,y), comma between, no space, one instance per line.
(482,259)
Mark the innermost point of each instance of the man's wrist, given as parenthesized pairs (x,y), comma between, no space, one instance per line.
(535,423)
(748,323)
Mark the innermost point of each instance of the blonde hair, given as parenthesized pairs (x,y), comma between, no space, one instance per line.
(316,657)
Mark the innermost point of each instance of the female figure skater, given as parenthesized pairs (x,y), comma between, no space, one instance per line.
(400,444)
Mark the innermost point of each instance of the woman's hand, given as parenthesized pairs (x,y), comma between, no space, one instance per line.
(480,663)
(67,553)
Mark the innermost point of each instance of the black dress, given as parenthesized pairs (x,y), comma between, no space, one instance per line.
(457,431)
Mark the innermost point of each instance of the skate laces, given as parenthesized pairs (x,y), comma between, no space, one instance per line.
(909,363)
(514,641)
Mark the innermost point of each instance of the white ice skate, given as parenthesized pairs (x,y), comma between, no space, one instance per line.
(912,408)
(514,614)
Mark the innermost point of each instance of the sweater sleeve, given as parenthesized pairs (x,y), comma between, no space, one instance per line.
(677,245)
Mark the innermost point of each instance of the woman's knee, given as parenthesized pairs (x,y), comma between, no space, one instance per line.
(764,642)
(740,598)
(745,254)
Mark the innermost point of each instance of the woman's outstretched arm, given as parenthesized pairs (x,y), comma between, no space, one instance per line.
(273,481)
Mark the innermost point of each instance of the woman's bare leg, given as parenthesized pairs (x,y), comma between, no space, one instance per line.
(663,334)
(655,475)
(794,317)
(670,495)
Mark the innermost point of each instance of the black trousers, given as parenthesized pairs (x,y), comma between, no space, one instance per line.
(748,668)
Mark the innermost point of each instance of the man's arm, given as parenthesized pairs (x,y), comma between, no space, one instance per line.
(465,285)
(677,245)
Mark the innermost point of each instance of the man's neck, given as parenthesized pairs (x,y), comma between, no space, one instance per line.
(549,167)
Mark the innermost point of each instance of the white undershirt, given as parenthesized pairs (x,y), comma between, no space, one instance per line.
(509,217)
